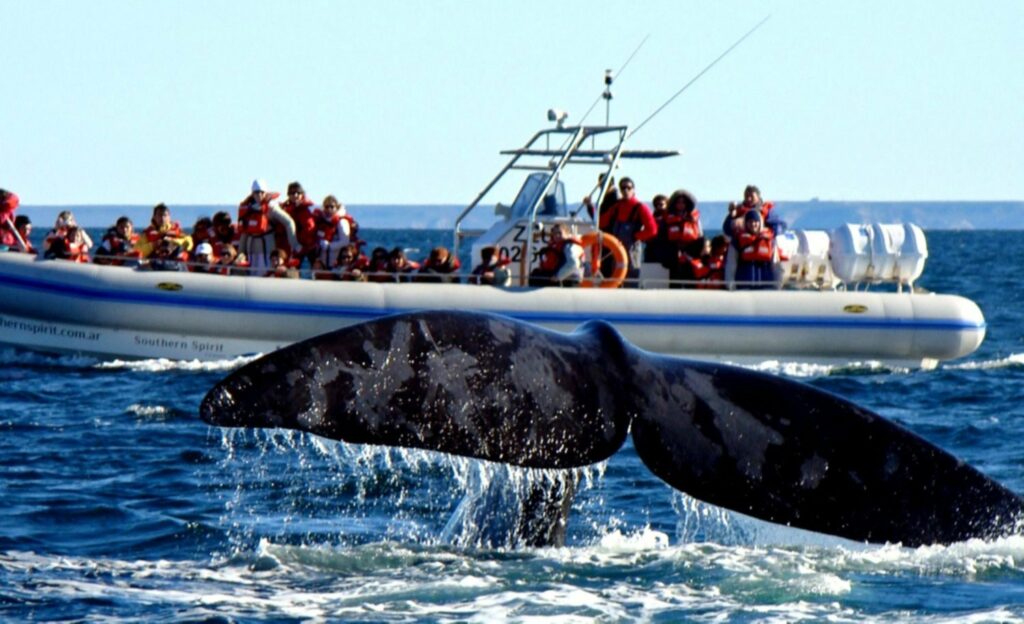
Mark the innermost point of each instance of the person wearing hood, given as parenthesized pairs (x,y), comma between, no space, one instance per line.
(257,214)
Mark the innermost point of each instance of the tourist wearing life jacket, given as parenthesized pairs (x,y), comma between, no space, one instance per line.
(332,228)
(202,231)
(224,234)
(162,228)
(201,260)
(756,256)
(350,265)
(441,266)
(65,220)
(751,201)
(71,246)
(9,235)
(230,262)
(714,263)
(378,269)
(257,214)
(630,221)
(659,249)
(300,209)
(492,270)
(561,261)
(400,266)
(119,244)
(686,237)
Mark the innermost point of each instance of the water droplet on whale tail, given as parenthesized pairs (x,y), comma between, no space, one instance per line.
(493,388)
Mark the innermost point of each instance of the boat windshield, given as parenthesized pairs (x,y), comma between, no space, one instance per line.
(554,202)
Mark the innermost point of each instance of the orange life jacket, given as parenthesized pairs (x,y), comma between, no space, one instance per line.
(254,220)
(684,228)
(552,257)
(756,247)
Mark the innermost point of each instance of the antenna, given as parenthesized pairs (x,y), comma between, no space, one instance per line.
(607,95)
(608,76)
(697,77)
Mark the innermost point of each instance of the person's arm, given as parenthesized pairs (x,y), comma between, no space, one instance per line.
(573,262)
(278,214)
(649,227)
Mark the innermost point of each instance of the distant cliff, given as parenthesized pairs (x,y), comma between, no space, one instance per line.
(954,215)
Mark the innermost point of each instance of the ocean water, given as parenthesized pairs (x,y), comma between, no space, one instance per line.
(121,505)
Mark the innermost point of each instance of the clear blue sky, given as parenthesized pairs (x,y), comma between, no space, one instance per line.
(409,102)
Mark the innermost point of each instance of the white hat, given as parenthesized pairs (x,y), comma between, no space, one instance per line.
(204,249)
(259,184)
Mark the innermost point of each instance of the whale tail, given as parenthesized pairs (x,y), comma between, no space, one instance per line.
(496,389)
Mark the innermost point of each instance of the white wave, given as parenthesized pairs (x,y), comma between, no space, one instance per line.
(623,577)
(147,410)
(805,369)
(161,365)
(16,357)
(1010,361)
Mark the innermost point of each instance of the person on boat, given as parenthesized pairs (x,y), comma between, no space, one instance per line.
(71,246)
(202,231)
(223,235)
(118,246)
(659,249)
(756,255)
(610,198)
(561,261)
(162,228)
(400,266)
(686,237)
(201,260)
(351,265)
(300,209)
(257,214)
(230,262)
(440,266)
(9,235)
(714,263)
(65,220)
(751,201)
(167,255)
(332,229)
(23,226)
(492,270)
(632,222)
(280,265)
(378,269)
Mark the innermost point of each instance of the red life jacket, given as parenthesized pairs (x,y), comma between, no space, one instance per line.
(684,229)
(766,207)
(326,226)
(305,224)
(76,252)
(255,220)
(154,235)
(756,247)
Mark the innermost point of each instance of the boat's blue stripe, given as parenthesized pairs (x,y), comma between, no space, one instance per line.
(183,300)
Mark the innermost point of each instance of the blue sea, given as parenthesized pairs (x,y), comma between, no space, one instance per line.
(121,505)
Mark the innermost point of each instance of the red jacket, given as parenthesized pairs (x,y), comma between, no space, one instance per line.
(631,210)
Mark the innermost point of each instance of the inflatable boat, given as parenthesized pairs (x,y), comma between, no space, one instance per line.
(844,296)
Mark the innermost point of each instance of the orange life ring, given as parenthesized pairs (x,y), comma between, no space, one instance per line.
(599,245)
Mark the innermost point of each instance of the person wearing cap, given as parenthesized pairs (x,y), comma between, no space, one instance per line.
(257,214)
(300,209)
(202,260)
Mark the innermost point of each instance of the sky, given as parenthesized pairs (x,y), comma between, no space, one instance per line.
(118,102)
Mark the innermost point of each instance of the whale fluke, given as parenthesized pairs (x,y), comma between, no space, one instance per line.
(493,388)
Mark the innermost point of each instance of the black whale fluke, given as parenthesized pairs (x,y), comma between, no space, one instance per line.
(492,388)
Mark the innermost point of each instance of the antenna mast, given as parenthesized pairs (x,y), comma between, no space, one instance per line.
(607,95)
